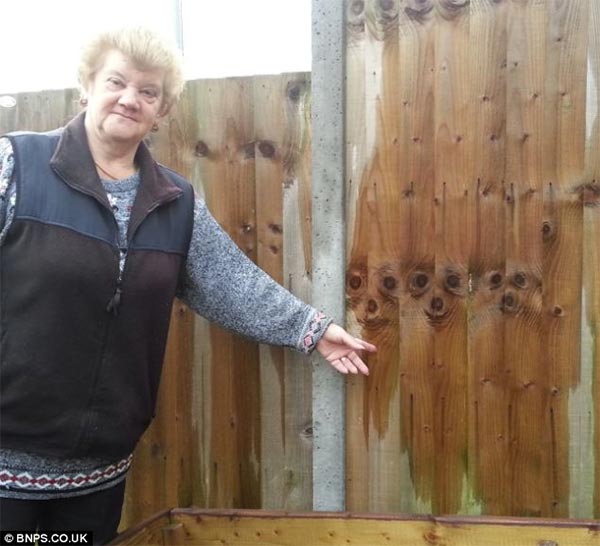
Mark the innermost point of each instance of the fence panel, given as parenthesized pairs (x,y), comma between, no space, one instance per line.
(471,168)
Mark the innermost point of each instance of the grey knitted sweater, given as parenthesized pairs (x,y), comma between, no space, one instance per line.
(220,283)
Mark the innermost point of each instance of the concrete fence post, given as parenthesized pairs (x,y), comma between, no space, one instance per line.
(328,245)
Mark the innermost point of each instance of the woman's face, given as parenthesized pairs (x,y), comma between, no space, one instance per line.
(123,101)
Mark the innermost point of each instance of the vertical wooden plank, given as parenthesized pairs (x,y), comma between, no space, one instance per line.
(269,223)
(417,256)
(522,300)
(194,111)
(447,385)
(297,278)
(223,136)
(357,157)
(281,110)
(232,199)
(589,444)
(563,163)
(373,270)
(489,475)
(161,473)
(383,274)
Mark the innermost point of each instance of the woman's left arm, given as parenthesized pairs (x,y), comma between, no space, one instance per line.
(225,286)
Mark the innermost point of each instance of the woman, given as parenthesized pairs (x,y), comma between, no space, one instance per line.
(96,240)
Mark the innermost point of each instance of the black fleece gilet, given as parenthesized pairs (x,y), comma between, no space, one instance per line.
(81,346)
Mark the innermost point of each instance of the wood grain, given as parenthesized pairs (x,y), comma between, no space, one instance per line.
(487,392)
(472,198)
(285,529)
(588,446)
(282,132)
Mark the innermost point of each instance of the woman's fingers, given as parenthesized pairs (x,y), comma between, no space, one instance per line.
(350,364)
(339,366)
(366,346)
(358,363)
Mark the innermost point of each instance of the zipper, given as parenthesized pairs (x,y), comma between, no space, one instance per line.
(115,301)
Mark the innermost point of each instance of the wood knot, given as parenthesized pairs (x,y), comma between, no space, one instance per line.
(307,432)
(431,538)
(294,93)
(355,282)
(372,306)
(437,304)
(389,282)
(357,7)
(520,280)
(589,193)
(249,151)
(450,9)
(276,228)
(554,391)
(495,280)
(419,282)
(558,311)
(246,228)
(410,191)
(419,13)
(266,148)
(386,5)
(201,149)
(356,277)
(509,303)
(453,282)
(547,231)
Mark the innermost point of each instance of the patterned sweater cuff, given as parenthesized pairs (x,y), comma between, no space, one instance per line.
(314,332)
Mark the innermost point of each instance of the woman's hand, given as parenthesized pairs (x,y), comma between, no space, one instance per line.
(339,348)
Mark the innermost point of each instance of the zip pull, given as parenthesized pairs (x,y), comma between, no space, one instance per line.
(115,302)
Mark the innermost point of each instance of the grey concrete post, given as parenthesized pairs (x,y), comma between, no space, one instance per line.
(328,244)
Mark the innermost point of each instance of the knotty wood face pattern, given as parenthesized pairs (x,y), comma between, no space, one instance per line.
(468,125)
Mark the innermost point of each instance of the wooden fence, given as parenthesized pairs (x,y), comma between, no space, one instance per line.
(473,176)
(473,255)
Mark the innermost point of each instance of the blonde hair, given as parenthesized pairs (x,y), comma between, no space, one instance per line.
(145,48)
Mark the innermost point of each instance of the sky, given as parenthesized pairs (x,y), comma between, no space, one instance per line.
(221,38)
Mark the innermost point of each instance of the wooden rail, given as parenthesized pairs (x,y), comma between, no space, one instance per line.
(248,527)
